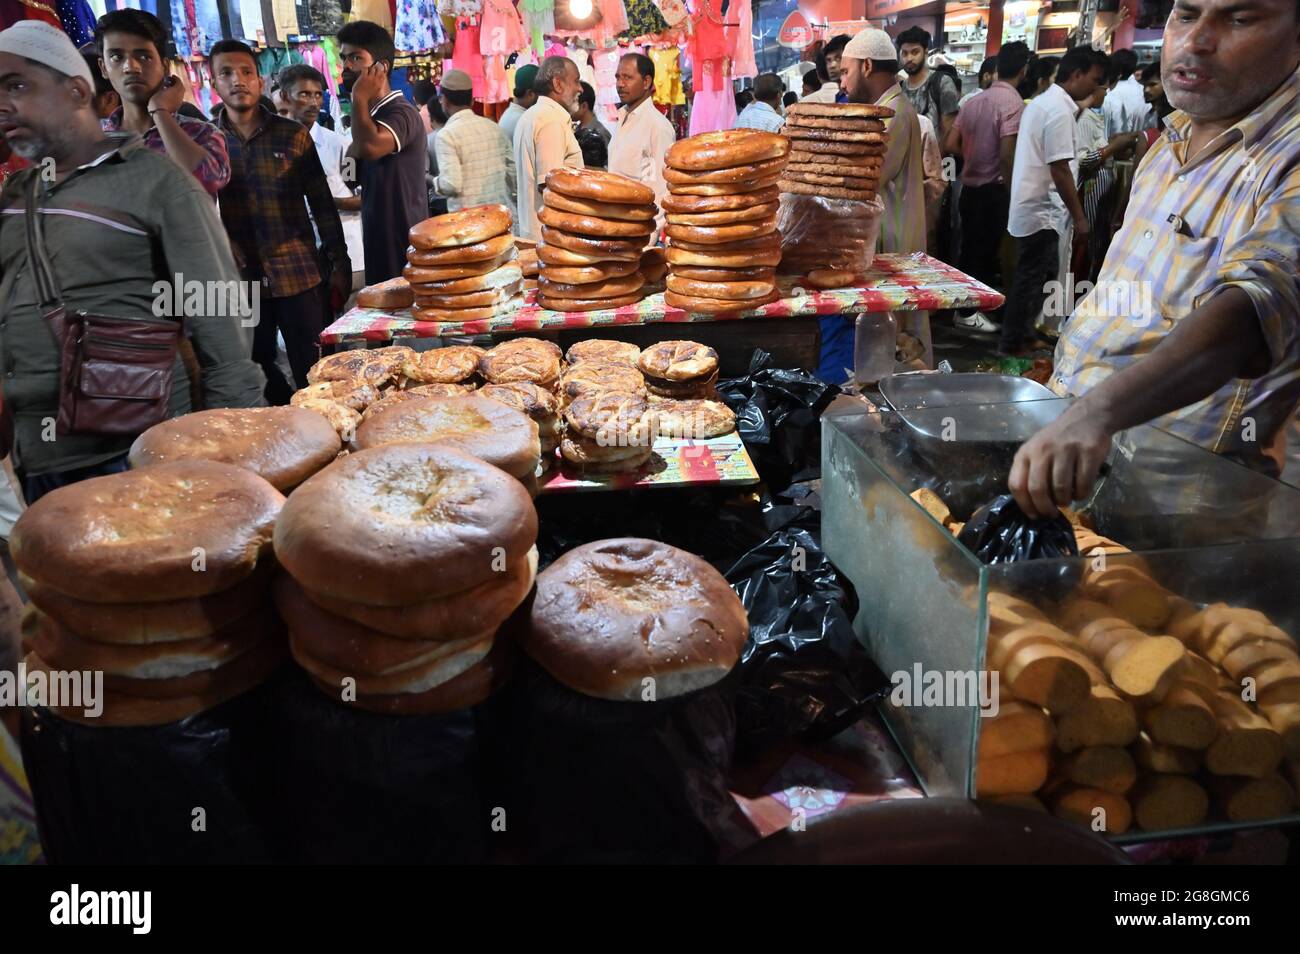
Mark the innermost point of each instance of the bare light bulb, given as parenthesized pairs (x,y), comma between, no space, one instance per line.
(581,9)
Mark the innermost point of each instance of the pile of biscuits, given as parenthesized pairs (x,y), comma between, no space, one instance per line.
(158,578)
(463,265)
(837,149)
(594,227)
(402,562)
(723,242)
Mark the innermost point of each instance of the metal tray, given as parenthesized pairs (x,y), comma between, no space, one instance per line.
(918,398)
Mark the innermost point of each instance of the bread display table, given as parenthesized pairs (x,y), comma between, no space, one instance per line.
(896,283)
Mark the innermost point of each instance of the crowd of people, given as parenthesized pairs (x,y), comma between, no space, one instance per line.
(307,214)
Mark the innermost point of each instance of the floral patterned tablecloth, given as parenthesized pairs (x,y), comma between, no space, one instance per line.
(896,283)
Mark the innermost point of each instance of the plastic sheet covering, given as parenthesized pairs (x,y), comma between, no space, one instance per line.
(999,532)
(819,232)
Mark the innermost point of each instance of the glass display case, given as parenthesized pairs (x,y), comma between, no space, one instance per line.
(1196,529)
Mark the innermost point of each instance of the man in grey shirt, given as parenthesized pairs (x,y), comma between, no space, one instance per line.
(933,94)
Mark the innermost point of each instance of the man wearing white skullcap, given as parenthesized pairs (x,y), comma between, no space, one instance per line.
(868,75)
(124,229)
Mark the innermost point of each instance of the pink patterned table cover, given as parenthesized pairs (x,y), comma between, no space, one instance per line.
(896,283)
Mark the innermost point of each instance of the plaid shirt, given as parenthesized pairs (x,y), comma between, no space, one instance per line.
(214,171)
(476,162)
(262,208)
(1229,217)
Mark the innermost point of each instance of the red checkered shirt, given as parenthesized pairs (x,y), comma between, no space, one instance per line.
(214,171)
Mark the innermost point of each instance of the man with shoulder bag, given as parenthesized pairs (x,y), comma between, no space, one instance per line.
(109,252)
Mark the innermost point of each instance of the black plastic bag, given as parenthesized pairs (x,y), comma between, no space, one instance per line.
(999,532)
(778,416)
(356,787)
(596,781)
(130,796)
(803,671)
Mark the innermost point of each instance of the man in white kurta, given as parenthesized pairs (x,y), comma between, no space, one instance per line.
(544,138)
(644,135)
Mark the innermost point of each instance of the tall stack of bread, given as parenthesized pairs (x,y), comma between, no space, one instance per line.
(595,226)
(723,242)
(463,265)
(837,152)
(1125,704)
(402,561)
(158,578)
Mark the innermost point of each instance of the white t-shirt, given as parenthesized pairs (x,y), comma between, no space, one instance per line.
(1047,135)
(332,147)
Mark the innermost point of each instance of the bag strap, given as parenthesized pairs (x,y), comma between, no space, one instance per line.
(47,286)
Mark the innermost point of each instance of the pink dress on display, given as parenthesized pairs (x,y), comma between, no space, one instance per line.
(712,47)
(466,54)
(606,64)
(613,20)
(743,64)
(502,30)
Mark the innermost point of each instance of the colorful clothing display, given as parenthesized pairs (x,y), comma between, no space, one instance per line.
(78,20)
(376,11)
(418,28)
(286,18)
(502,32)
(496,89)
(269,31)
(613,21)
(712,110)
(466,56)
(539,19)
(668,76)
(606,65)
(250,15)
(644,18)
(743,64)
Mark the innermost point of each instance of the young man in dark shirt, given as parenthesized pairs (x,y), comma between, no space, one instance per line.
(388,143)
(273,166)
(130,45)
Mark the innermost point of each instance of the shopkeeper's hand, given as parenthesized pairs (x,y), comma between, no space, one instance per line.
(368,84)
(1060,463)
(169,96)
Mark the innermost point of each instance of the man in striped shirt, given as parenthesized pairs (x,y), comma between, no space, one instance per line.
(476,162)
(1195,320)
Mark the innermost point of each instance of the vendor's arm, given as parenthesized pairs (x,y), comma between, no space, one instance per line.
(370,140)
(1219,341)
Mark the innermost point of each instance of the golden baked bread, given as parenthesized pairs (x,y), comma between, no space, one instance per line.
(507,274)
(728,217)
(616,249)
(460,315)
(602,210)
(726,188)
(394,293)
(720,234)
(167,532)
(612,418)
(164,621)
(722,256)
(376,367)
(826,278)
(535,401)
(342,418)
(692,419)
(481,608)
(403,524)
(591,456)
(443,390)
(420,275)
(529,264)
(729,291)
(282,445)
(839,110)
(579,274)
(616,618)
(521,359)
(756,243)
(753,170)
(653,265)
(680,361)
(433,667)
(397,397)
(609,288)
(554,255)
(127,710)
(603,351)
(684,390)
(449,365)
(721,150)
(466,300)
(696,204)
(856,124)
(591,225)
(471,423)
(555,303)
(64,649)
(598,185)
(700,273)
(478,252)
(715,306)
(472,687)
(593,376)
(347,393)
(465,227)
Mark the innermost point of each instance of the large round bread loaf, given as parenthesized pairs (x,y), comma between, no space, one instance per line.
(469,226)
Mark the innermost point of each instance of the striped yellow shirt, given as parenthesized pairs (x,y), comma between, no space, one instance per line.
(1229,217)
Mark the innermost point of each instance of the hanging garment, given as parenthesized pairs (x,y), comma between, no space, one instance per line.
(12,11)
(644,18)
(376,11)
(606,65)
(674,11)
(269,32)
(501,32)
(418,29)
(668,76)
(613,21)
(582,61)
(286,19)
(496,89)
(231,26)
(466,56)
(326,17)
(743,64)
(250,14)
(207,17)
(302,13)
(78,21)
(712,110)
(539,18)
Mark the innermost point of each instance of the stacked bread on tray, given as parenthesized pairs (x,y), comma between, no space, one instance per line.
(463,265)
(402,561)
(723,243)
(837,149)
(595,226)
(159,579)
(682,378)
